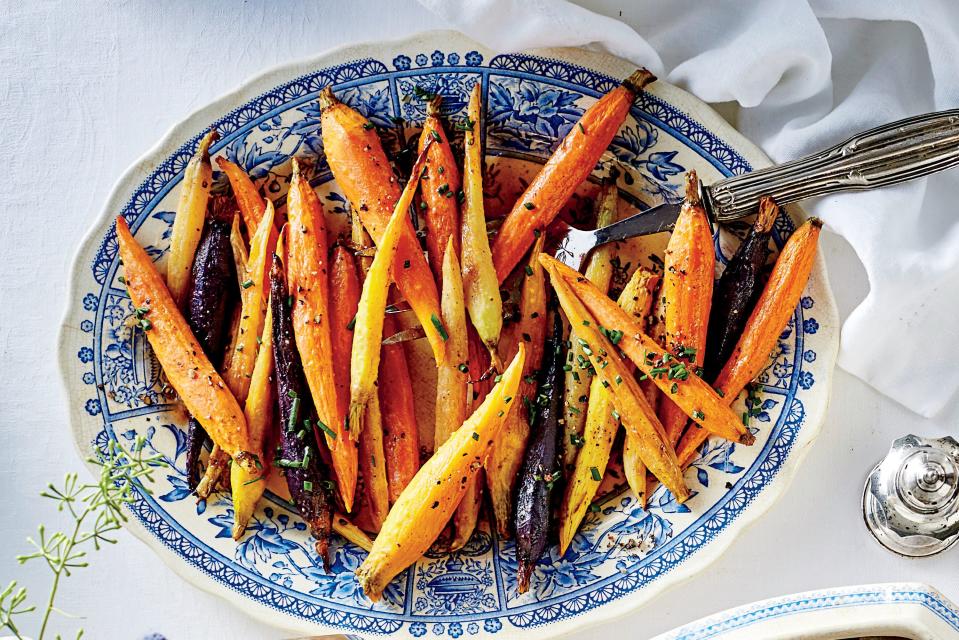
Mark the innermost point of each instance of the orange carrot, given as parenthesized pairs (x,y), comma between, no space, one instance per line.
(401,444)
(439,193)
(570,164)
(361,169)
(248,198)
(306,266)
(189,371)
(688,273)
(771,313)
(506,454)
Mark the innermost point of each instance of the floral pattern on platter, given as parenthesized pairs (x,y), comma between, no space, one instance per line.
(530,104)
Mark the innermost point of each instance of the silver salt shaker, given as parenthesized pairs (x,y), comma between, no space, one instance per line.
(911,500)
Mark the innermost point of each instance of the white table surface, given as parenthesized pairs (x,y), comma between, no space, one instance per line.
(83,93)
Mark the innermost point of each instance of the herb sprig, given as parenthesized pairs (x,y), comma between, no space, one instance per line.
(96,511)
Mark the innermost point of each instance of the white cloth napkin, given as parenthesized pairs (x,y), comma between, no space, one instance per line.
(807,75)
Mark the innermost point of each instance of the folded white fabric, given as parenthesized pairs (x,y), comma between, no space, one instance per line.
(807,74)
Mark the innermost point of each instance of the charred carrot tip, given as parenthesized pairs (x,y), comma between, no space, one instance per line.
(433,108)
(816,222)
(768,211)
(639,79)
(692,188)
(326,97)
(747,439)
(203,149)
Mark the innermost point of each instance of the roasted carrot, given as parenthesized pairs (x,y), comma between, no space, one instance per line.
(401,445)
(699,400)
(773,310)
(361,169)
(452,380)
(539,471)
(307,272)
(252,301)
(440,191)
(252,208)
(599,271)
(688,271)
(246,487)
(190,215)
(186,366)
(570,164)
(248,198)
(205,312)
(479,277)
(351,532)
(738,289)
(596,442)
(633,467)
(425,506)
(300,461)
(467,513)
(636,414)
(368,328)
(401,442)
(345,285)
(506,454)
(375,502)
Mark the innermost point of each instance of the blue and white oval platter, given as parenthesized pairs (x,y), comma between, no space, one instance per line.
(625,554)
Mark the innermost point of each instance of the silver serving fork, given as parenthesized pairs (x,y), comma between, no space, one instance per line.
(893,153)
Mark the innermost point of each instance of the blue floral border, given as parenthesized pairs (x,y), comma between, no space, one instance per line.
(784,607)
(647,107)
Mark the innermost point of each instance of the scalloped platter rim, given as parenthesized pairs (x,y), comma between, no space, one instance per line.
(625,555)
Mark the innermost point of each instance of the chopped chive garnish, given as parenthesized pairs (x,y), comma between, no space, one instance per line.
(497,378)
(528,269)
(674,388)
(257,479)
(352,324)
(580,125)
(594,472)
(475,436)
(307,485)
(463,367)
(368,125)
(699,415)
(529,205)
(246,284)
(294,415)
(326,429)
(436,135)
(439,327)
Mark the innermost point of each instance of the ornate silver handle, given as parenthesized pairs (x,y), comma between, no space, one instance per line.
(889,154)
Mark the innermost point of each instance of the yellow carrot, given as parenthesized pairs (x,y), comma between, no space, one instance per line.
(600,428)
(452,379)
(190,216)
(636,414)
(699,400)
(247,488)
(479,277)
(424,507)
(343,526)
(368,328)
(576,390)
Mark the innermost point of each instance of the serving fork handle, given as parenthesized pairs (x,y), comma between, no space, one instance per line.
(886,155)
